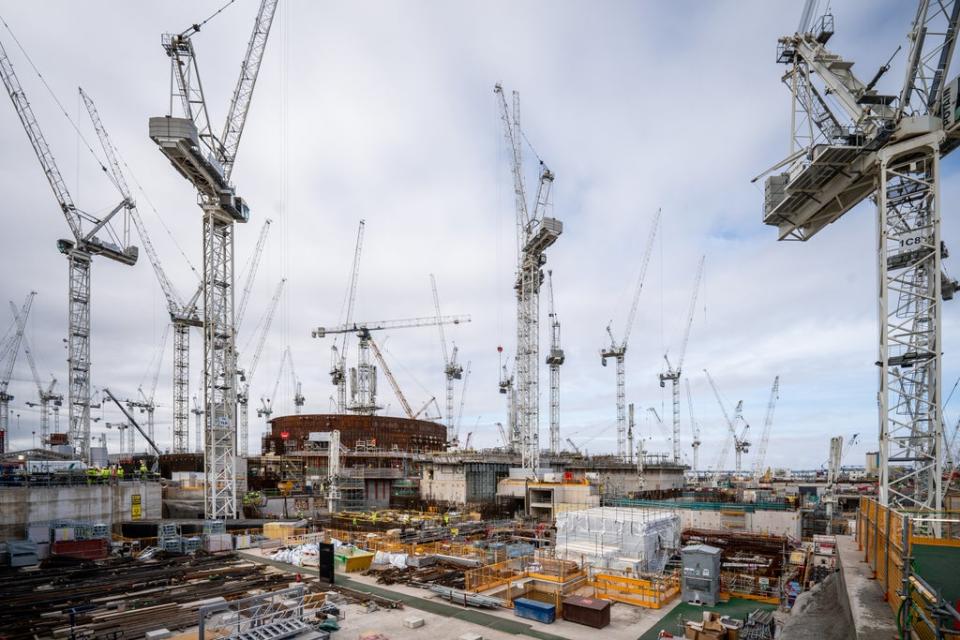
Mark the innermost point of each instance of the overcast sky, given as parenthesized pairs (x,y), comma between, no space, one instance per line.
(385,111)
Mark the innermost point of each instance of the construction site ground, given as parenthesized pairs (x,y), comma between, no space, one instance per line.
(446,620)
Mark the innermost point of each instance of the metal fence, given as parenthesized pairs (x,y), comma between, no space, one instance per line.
(257,616)
(889,540)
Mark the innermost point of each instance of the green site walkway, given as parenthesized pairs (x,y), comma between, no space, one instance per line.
(738,608)
(431,606)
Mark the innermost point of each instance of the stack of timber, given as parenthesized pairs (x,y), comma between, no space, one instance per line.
(124,596)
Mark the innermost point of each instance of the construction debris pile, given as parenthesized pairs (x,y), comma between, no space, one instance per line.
(439,572)
(124,596)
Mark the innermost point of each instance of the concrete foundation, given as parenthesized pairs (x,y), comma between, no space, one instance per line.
(21,506)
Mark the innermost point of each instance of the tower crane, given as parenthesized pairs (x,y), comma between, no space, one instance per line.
(463,399)
(298,399)
(673,372)
(11,350)
(573,446)
(91,235)
(266,402)
(865,145)
(503,435)
(207,162)
(618,350)
(536,232)
(252,266)
(197,412)
(506,388)
(554,359)
(145,402)
(363,390)
(694,428)
(338,354)
(46,397)
(182,315)
(245,375)
(765,434)
(740,443)
(451,368)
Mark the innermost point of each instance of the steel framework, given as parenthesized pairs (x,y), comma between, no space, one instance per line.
(535,233)
(864,144)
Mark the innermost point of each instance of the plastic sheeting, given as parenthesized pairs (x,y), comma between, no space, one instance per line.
(398,560)
(300,555)
(641,540)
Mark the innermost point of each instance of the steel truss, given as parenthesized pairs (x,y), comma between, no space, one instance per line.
(220,369)
(910,253)
(181,387)
(78,347)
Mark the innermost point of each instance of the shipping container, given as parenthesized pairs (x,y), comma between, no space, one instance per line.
(82,549)
(587,611)
(534,610)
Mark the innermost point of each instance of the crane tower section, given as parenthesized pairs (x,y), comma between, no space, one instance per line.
(864,144)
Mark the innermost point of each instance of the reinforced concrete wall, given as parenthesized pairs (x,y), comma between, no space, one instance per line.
(108,503)
(781,523)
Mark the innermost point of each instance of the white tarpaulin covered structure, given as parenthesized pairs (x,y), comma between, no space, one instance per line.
(638,539)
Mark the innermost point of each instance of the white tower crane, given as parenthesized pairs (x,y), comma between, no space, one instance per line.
(694,428)
(507,389)
(864,145)
(338,354)
(197,412)
(463,400)
(298,399)
(266,402)
(452,370)
(554,359)
(182,315)
(536,232)
(11,349)
(740,443)
(207,161)
(246,374)
(618,350)
(673,372)
(145,402)
(364,377)
(765,435)
(91,235)
(252,266)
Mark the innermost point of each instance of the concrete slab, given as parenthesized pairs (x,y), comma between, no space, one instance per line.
(872,615)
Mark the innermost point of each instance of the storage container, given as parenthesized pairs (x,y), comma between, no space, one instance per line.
(83,549)
(351,559)
(534,610)
(587,611)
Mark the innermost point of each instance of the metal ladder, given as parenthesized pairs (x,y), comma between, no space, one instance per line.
(274,631)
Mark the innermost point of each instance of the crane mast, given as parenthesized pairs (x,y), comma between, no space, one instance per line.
(554,359)
(865,145)
(79,250)
(535,233)
(338,354)
(451,368)
(266,402)
(722,458)
(298,399)
(183,316)
(694,428)
(207,162)
(673,372)
(12,349)
(246,375)
(765,435)
(618,350)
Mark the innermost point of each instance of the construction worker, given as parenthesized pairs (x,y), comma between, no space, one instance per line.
(104,475)
(92,474)
(143,468)
(119,473)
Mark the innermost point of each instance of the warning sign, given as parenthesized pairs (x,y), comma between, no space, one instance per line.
(135,509)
